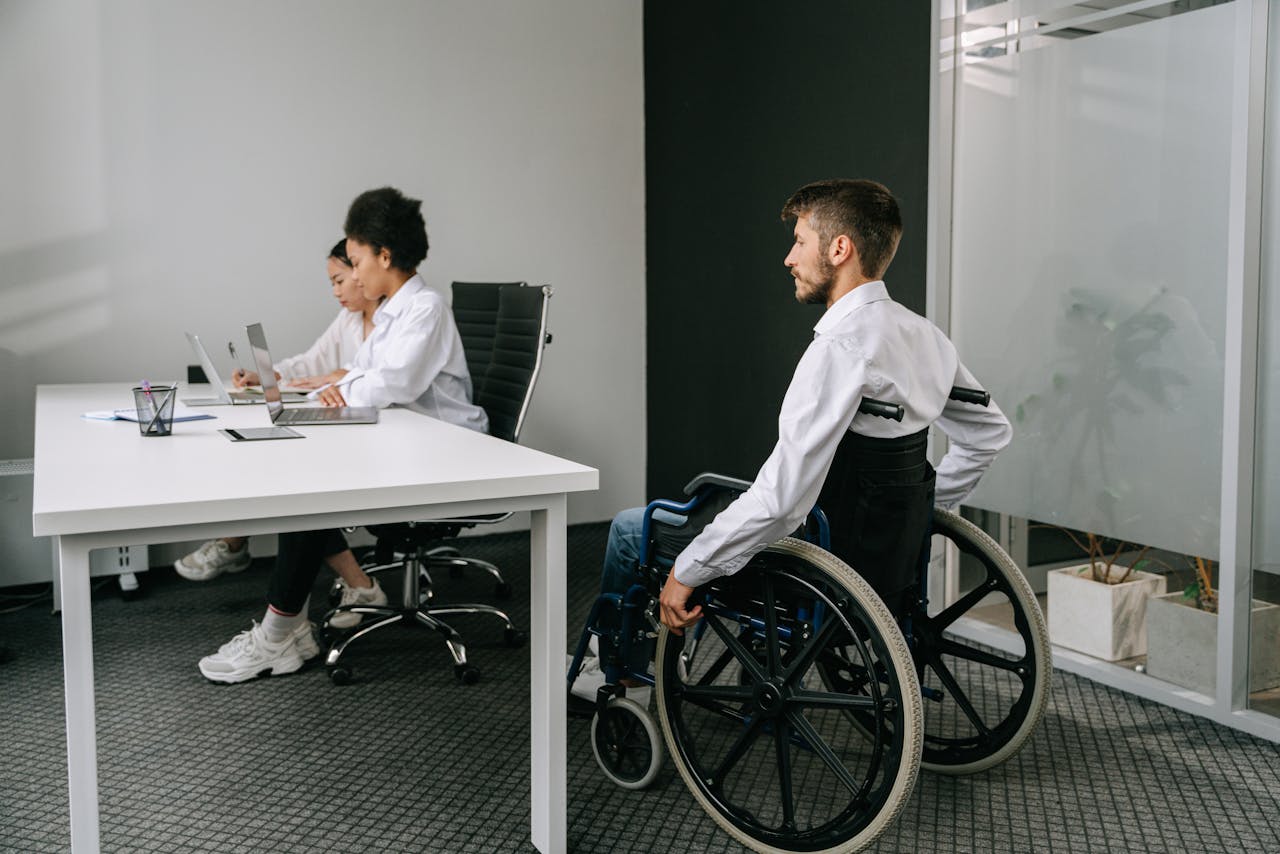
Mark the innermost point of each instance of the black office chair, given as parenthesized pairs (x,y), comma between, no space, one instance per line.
(504,330)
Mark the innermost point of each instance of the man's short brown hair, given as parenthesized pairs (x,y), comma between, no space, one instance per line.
(864,210)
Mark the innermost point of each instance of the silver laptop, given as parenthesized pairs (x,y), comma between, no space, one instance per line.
(224,397)
(302,415)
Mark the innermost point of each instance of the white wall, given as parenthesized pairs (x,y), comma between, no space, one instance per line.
(171,166)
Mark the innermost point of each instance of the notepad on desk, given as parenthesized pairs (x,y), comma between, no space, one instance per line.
(180,413)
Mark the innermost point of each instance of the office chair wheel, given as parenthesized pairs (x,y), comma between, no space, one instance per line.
(515,637)
(341,674)
(466,674)
(981,703)
(777,762)
(502,590)
(626,744)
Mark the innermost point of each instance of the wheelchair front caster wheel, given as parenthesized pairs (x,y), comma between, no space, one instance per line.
(340,674)
(626,743)
(502,590)
(466,674)
(515,637)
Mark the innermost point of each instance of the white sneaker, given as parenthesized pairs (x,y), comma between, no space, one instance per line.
(304,639)
(211,560)
(249,655)
(591,679)
(357,596)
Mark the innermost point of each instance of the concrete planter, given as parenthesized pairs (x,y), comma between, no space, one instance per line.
(1184,644)
(1107,621)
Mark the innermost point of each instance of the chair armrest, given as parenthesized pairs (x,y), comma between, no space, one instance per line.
(719,481)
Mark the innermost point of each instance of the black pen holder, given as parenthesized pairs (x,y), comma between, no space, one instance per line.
(155,409)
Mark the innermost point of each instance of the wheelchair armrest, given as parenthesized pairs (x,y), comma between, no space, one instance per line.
(719,481)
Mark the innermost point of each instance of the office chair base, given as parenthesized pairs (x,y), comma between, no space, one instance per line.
(341,673)
(455,563)
(442,557)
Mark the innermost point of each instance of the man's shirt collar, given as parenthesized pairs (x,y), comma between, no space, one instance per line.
(863,294)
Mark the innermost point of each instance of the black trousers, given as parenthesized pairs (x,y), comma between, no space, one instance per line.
(298,559)
(878,497)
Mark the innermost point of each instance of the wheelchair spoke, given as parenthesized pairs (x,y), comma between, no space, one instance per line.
(741,653)
(717,667)
(981,657)
(627,738)
(782,741)
(711,705)
(771,628)
(827,699)
(723,693)
(824,751)
(740,747)
(809,653)
(957,694)
(957,608)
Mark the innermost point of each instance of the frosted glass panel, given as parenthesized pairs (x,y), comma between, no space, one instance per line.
(1089,265)
(1267,471)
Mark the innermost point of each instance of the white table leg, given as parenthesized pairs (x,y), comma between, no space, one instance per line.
(77,664)
(548,689)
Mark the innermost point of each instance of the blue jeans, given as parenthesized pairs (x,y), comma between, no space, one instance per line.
(620,573)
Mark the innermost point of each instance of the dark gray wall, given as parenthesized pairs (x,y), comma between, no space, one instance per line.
(745,102)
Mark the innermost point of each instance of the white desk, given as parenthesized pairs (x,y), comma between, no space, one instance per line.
(101,485)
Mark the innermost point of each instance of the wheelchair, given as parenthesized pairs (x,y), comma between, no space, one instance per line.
(799,710)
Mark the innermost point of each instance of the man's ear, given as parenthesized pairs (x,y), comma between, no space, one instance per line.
(841,249)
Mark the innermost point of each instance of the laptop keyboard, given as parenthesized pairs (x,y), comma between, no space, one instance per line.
(312,414)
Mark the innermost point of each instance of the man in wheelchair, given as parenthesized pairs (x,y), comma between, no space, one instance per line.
(869,474)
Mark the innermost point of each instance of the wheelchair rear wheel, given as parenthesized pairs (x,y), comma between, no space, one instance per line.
(981,703)
(766,749)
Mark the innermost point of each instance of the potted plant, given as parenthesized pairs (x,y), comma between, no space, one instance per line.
(1099,608)
(1182,631)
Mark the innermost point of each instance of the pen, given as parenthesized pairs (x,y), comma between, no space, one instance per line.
(231,347)
(151,402)
(346,380)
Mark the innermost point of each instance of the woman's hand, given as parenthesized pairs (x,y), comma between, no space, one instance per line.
(308,382)
(317,382)
(243,378)
(332,396)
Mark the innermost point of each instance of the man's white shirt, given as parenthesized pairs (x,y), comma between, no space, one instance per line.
(865,345)
(414,358)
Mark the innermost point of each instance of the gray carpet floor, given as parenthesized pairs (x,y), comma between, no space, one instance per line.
(405,759)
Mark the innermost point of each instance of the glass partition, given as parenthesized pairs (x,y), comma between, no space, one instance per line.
(1264,652)
(1089,255)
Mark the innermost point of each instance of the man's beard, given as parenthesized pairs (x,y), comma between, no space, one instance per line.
(820,287)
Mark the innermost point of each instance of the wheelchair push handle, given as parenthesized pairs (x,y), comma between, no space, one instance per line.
(884,409)
(975,396)
(881,409)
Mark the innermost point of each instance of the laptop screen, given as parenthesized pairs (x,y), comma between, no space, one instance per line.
(266,372)
(210,370)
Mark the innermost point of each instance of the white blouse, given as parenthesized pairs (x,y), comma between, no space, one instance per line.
(336,347)
(866,345)
(414,358)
